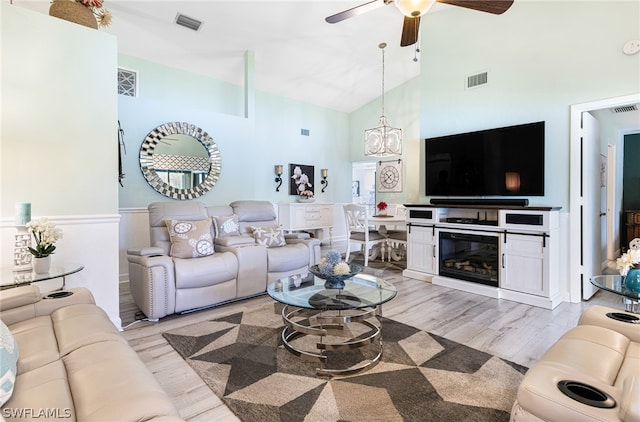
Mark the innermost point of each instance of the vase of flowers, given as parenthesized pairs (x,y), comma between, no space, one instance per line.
(629,266)
(306,196)
(334,270)
(89,13)
(46,234)
(382,208)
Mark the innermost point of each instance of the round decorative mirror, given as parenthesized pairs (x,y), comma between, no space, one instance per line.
(180,160)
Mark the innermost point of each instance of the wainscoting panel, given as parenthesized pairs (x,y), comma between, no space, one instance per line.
(89,240)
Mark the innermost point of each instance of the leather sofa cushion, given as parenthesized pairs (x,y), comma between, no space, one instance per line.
(288,257)
(630,367)
(249,211)
(37,343)
(79,325)
(205,271)
(243,239)
(111,369)
(583,345)
(45,387)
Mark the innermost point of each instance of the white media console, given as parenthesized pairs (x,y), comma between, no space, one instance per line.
(496,251)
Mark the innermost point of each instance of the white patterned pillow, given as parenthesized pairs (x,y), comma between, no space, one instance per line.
(190,239)
(270,236)
(226,225)
(8,363)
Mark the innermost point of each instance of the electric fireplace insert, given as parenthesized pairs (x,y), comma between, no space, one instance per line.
(469,257)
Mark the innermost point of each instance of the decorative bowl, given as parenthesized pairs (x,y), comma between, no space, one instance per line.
(335,281)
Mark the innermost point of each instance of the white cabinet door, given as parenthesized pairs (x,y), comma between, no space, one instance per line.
(421,249)
(524,267)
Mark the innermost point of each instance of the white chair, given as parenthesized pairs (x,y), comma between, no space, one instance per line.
(359,230)
(397,237)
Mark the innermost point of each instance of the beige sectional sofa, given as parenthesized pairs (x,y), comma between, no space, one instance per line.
(592,373)
(73,364)
(237,250)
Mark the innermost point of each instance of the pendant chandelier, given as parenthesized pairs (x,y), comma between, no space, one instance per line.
(383,140)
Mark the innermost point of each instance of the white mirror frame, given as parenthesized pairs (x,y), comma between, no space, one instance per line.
(148,169)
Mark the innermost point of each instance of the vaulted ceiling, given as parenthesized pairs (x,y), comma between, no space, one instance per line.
(297,54)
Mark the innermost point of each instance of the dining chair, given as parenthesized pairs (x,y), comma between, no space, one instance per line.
(397,237)
(359,230)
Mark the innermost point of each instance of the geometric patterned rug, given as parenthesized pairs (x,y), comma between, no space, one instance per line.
(421,376)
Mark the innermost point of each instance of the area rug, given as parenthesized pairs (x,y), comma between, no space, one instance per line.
(421,376)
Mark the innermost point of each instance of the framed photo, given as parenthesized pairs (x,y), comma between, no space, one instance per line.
(300,178)
(355,188)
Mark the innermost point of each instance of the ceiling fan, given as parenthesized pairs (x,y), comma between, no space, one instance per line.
(413,9)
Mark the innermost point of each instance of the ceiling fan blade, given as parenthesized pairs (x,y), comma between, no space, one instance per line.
(355,11)
(410,31)
(497,7)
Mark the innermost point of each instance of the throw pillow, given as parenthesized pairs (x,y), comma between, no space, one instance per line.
(190,239)
(270,236)
(226,225)
(8,363)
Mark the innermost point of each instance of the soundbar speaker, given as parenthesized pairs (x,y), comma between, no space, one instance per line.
(506,202)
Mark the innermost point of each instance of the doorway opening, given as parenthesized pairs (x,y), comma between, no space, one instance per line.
(586,214)
(363,185)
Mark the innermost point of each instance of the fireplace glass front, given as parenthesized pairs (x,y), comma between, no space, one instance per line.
(469,257)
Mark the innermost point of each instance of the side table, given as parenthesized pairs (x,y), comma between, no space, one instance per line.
(11,278)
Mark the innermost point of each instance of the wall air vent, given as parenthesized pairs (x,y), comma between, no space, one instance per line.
(188,22)
(477,80)
(624,109)
(127,82)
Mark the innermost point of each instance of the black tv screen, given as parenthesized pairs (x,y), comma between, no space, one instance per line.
(506,161)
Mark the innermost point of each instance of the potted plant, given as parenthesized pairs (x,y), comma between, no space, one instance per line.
(45,234)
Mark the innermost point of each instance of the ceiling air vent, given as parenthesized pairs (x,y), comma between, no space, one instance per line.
(625,109)
(127,82)
(477,80)
(188,22)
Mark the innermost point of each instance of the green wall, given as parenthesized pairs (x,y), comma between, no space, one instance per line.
(249,147)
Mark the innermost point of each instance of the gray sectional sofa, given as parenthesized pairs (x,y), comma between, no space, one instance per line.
(200,255)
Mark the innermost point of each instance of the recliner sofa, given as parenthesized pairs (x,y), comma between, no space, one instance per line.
(592,373)
(248,251)
(65,360)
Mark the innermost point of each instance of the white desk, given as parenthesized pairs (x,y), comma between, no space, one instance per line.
(381,222)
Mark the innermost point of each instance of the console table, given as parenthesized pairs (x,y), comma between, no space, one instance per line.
(298,216)
(512,253)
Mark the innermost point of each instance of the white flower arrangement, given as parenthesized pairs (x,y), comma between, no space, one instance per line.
(628,260)
(46,235)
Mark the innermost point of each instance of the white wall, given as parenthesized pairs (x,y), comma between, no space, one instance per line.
(58,142)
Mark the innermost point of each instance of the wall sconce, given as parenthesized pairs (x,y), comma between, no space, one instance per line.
(323,173)
(278,170)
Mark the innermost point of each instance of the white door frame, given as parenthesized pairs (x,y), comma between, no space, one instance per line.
(575,266)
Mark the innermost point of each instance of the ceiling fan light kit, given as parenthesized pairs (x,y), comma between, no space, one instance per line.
(414,8)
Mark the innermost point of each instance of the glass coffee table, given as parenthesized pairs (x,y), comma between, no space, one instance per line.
(347,320)
(615,284)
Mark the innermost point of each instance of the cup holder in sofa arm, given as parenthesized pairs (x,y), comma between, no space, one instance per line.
(619,316)
(58,295)
(586,394)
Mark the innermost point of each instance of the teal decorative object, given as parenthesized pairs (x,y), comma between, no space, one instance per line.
(632,279)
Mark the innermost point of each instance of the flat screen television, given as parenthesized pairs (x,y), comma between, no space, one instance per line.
(507,161)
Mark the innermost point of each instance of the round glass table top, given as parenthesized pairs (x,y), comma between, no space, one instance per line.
(308,291)
(11,278)
(615,284)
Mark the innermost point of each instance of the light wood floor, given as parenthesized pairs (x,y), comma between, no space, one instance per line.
(517,332)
